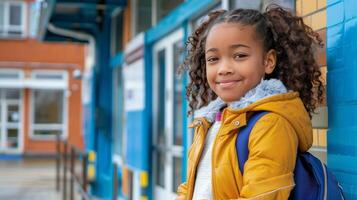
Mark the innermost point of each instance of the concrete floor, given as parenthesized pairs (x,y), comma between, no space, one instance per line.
(28,179)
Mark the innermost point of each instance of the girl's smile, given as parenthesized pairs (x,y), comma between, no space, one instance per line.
(226,84)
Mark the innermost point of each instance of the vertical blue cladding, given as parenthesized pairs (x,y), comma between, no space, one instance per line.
(137,141)
(350,9)
(342,92)
(103,108)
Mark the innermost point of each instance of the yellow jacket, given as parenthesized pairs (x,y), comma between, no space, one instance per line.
(273,145)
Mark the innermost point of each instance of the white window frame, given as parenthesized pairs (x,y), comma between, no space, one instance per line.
(117,114)
(19,72)
(168,150)
(62,127)
(7,27)
(12,82)
(37,83)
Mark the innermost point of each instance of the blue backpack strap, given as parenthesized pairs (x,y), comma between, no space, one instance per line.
(243,137)
(313,181)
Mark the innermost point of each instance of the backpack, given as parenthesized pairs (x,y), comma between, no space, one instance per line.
(313,181)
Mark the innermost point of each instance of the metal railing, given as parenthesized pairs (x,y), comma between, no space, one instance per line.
(67,151)
(115,181)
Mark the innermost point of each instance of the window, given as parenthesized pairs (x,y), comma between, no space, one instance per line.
(12,19)
(164,7)
(10,78)
(48,104)
(48,114)
(178,94)
(178,114)
(10,74)
(117,34)
(261,4)
(252,4)
(118,113)
(141,16)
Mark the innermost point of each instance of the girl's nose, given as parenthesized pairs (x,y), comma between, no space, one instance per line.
(225,68)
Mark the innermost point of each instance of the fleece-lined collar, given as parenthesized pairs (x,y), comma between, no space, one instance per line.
(264,89)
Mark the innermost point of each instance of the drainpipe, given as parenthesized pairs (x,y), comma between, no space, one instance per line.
(91,56)
(90,62)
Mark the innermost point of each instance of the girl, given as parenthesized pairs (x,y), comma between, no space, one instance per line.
(241,62)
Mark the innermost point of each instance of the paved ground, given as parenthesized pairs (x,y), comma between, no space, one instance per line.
(28,179)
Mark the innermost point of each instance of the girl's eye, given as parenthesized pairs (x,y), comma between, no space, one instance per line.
(212,59)
(239,56)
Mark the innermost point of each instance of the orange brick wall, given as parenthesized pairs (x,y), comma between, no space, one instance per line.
(29,50)
(314,15)
(67,57)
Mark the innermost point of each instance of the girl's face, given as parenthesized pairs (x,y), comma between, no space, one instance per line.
(235,60)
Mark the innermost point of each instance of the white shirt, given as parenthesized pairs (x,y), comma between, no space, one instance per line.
(203,182)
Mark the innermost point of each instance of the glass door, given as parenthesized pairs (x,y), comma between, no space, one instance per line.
(167,105)
(10,121)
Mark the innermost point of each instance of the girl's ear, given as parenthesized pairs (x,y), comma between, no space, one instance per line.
(270,61)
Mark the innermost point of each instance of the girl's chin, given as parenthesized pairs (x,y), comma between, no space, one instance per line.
(230,99)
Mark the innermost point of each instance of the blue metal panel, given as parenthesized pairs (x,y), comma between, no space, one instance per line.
(177,17)
(336,13)
(350,9)
(335,33)
(342,93)
(137,141)
(349,182)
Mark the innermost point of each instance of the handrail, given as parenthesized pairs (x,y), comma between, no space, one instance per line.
(74,154)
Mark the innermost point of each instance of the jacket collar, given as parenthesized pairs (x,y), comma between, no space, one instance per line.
(264,89)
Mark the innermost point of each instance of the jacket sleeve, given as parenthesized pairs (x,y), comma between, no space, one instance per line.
(182,191)
(268,172)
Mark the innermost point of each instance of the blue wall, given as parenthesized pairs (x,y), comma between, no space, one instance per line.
(342,92)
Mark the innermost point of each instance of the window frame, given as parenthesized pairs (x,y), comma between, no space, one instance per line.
(6,23)
(118,116)
(63,127)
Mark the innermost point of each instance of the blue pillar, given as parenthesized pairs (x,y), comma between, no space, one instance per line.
(102,187)
(342,92)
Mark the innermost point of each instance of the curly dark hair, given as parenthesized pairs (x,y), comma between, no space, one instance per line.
(279,29)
